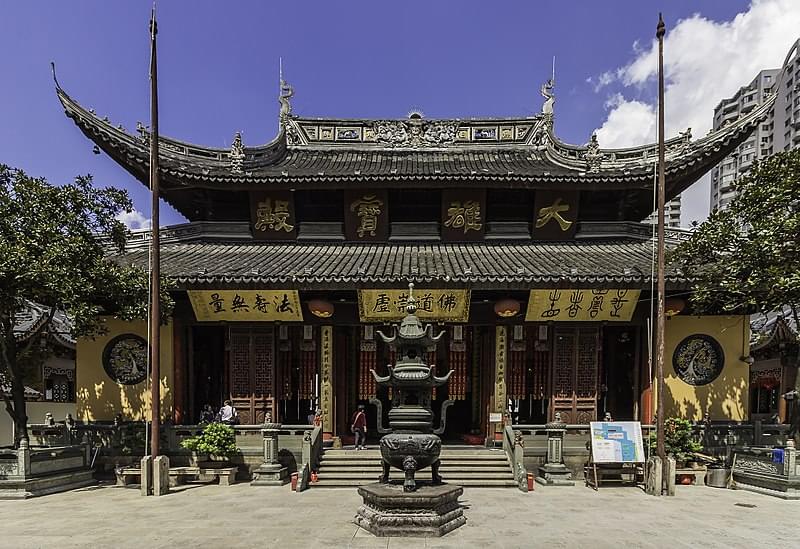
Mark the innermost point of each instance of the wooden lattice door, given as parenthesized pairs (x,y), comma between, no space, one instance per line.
(252,373)
(575,373)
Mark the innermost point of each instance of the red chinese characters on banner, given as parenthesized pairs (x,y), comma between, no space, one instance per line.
(457,357)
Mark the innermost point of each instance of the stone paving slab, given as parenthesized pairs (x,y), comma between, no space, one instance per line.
(211,516)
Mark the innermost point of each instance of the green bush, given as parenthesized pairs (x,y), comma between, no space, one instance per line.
(678,439)
(216,439)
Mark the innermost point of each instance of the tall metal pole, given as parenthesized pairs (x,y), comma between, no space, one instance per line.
(660,449)
(155,252)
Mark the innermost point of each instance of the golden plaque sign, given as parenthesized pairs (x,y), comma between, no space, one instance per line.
(581,305)
(390,305)
(246,305)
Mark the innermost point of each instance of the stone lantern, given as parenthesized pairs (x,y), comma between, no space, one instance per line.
(554,472)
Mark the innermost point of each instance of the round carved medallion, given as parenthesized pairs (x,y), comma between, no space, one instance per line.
(698,359)
(125,359)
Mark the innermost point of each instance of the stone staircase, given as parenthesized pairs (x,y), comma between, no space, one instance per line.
(461,465)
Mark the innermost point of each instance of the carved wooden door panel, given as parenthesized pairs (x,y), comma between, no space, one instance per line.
(574,375)
(252,373)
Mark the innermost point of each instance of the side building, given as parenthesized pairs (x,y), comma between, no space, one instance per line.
(780,131)
(528,251)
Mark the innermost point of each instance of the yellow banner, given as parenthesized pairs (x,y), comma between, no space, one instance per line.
(581,305)
(389,305)
(246,305)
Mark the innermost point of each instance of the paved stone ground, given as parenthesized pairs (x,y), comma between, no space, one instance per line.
(210,516)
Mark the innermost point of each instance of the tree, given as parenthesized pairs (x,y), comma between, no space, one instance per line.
(57,246)
(746,258)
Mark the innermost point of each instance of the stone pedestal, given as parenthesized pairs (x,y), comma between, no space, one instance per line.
(160,475)
(271,472)
(146,486)
(430,511)
(653,481)
(554,472)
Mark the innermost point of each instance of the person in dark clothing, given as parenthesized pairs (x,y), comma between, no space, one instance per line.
(359,427)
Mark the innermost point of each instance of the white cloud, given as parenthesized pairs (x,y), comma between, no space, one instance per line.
(704,62)
(134,219)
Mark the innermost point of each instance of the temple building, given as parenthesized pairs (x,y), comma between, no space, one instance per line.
(529,252)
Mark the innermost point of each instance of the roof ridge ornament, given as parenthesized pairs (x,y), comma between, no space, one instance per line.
(237,154)
(593,156)
(285,93)
(549,97)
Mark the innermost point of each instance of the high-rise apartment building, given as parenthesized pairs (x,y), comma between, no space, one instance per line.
(779,132)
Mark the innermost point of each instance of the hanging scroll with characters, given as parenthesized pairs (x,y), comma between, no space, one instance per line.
(463,214)
(581,305)
(555,215)
(246,305)
(366,215)
(272,215)
(390,305)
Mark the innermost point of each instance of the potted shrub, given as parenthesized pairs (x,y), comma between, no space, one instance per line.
(217,441)
(679,440)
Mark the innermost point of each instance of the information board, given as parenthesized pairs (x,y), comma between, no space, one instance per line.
(617,442)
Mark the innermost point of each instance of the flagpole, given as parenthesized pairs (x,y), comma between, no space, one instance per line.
(660,327)
(155,253)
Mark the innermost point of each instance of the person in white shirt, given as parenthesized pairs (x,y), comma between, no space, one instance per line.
(227,414)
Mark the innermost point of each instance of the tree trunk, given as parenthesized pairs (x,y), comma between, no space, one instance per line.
(20,409)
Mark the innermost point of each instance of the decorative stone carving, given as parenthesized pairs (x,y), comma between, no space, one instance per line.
(292,135)
(415,133)
(549,97)
(286,93)
(391,133)
(144,135)
(237,153)
(593,156)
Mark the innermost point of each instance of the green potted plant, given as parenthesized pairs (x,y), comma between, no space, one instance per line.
(679,440)
(217,441)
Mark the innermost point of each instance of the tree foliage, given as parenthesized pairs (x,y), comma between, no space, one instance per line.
(56,249)
(746,258)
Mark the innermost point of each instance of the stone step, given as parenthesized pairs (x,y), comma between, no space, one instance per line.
(370,454)
(423,475)
(446,466)
(472,483)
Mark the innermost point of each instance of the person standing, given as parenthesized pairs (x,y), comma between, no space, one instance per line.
(359,427)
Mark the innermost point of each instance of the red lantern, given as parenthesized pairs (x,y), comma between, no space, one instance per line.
(320,308)
(506,308)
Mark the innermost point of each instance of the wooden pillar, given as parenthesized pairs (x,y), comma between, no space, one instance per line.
(326,375)
(179,364)
(500,363)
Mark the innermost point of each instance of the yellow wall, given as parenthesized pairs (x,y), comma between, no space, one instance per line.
(99,397)
(727,396)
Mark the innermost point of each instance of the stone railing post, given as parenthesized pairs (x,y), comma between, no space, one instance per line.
(24,459)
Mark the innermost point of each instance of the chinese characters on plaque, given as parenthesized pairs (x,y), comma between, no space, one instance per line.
(273,215)
(246,305)
(463,212)
(366,215)
(389,305)
(581,305)
(555,215)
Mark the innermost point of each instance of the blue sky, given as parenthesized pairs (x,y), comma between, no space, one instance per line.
(218,67)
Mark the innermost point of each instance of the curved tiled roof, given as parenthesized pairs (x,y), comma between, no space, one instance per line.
(344,266)
(531,154)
